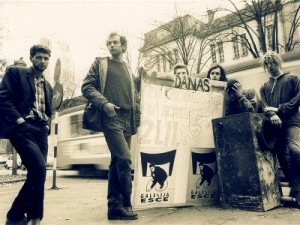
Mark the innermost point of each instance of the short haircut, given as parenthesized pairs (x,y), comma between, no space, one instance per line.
(39,48)
(271,57)
(222,70)
(123,39)
(180,66)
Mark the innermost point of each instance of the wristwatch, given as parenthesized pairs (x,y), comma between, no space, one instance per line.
(20,120)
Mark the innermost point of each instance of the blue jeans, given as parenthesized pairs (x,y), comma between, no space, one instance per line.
(31,142)
(117,132)
(288,154)
(293,143)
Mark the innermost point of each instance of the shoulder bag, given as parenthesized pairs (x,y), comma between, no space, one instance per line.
(91,119)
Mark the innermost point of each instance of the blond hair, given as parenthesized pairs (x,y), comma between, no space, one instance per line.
(271,57)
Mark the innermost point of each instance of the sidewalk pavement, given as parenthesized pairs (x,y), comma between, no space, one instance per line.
(7,177)
(82,201)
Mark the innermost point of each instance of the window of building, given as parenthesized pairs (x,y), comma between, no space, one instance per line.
(164,63)
(176,55)
(76,126)
(269,30)
(170,60)
(244,46)
(161,33)
(213,53)
(158,63)
(235,46)
(221,51)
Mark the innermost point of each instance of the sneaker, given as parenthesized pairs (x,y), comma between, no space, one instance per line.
(34,222)
(293,193)
(130,210)
(22,221)
(296,195)
(122,214)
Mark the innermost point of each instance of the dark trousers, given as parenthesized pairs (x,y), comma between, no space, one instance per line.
(288,154)
(31,142)
(117,133)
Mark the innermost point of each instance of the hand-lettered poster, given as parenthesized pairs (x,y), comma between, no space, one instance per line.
(175,122)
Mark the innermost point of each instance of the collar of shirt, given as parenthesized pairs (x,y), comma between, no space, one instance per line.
(40,79)
(276,78)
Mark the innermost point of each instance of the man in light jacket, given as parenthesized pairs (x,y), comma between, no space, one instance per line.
(110,86)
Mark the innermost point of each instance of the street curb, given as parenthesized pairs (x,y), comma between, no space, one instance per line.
(12,181)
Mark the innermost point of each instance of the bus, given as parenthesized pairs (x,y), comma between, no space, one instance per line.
(81,149)
(77,148)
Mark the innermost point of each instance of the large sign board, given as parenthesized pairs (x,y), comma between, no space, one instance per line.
(175,125)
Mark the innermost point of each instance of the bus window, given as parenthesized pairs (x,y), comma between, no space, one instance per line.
(76,126)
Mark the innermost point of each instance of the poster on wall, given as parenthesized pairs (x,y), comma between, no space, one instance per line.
(174,119)
(203,182)
(157,180)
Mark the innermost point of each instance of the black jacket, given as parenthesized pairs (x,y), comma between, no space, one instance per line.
(17,96)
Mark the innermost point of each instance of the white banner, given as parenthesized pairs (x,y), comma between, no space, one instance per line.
(173,122)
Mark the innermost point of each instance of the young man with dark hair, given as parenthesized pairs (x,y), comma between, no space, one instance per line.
(181,70)
(216,72)
(110,86)
(25,119)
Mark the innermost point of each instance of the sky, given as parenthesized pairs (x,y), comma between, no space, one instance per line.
(84,24)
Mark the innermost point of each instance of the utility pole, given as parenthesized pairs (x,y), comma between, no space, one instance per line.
(15,164)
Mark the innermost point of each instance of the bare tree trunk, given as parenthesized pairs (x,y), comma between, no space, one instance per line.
(262,36)
(289,46)
(274,32)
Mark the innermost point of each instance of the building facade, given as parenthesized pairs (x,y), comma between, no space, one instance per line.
(226,40)
(162,47)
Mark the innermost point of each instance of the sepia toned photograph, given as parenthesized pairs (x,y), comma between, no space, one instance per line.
(183,112)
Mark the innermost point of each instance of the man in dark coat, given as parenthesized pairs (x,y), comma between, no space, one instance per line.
(159,175)
(206,173)
(25,119)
